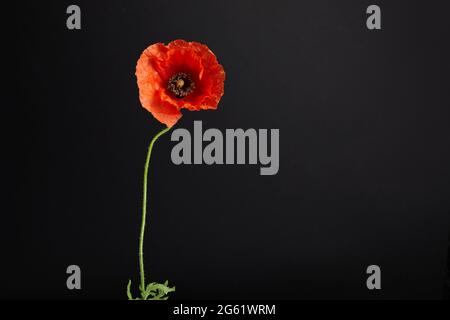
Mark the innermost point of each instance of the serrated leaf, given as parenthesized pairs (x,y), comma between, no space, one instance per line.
(158,291)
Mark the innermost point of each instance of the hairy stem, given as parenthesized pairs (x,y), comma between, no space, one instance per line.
(144,209)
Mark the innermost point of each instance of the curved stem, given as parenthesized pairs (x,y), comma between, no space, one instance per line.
(144,208)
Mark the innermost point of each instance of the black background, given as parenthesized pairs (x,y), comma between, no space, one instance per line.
(364,152)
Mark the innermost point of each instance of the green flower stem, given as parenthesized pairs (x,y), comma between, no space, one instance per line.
(144,208)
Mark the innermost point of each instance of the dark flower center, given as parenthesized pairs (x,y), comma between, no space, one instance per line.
(181,85)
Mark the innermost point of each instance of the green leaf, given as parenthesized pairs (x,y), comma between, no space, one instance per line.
(153,291)
(130,297)
(158,291)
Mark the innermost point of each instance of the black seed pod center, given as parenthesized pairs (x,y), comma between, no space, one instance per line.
(181,85)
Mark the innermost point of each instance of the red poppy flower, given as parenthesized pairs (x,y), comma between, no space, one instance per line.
(178,75)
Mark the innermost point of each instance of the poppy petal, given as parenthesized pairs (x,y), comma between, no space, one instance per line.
(159,63)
